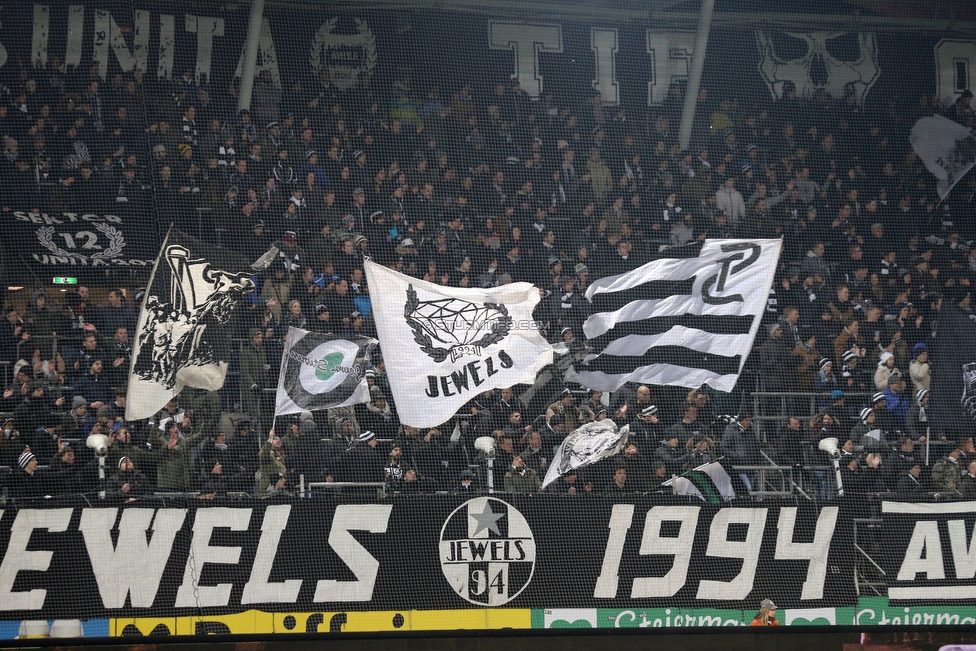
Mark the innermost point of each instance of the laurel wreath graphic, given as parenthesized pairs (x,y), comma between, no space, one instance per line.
(44,236)
(369,45)
(498,332)
(367,40)
(116,242)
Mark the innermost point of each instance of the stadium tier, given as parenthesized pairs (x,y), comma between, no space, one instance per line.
(374,319)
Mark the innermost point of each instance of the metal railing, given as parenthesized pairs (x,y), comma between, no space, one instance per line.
(304,489)
(869,577)
(802,404)
(771,481)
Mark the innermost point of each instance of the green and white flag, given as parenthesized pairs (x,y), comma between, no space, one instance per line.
(709,482)
(320,371)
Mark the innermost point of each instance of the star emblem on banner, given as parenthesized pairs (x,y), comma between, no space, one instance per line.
(487,519)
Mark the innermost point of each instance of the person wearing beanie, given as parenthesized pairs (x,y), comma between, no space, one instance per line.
(886,369)
(919,419)
(884,419)
(128,483)
(825,380)
(272,463)
(364,461)
(866,432)
(776,361)
(27,481)
(919,369)
(851,377)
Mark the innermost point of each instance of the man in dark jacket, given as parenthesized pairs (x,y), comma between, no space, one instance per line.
(364,462)
(671,454)
(27,481)
(128,483)
(741,446)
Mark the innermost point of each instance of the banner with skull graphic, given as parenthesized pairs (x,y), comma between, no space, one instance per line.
(445,345)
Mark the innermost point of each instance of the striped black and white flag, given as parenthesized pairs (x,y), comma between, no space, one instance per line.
(687,318)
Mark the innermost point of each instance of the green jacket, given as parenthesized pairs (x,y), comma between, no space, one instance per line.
(527,482)
(271,466)
(946,475)
(253,361)
(175,464)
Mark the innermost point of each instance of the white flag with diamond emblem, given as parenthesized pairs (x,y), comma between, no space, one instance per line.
(444,345)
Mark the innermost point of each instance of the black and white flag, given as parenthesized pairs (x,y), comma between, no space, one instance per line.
(953,389)
(947,148)
(585,446)
(182,338)
(320,371)
(444,345)
(687,318)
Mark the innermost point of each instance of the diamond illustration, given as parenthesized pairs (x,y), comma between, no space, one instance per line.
(462,326)
(456,322)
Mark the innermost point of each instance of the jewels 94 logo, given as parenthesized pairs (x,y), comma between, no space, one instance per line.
(487,551)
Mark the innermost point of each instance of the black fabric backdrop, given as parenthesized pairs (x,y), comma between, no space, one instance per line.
(571,538)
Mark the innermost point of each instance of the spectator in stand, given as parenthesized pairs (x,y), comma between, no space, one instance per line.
(128,483)
(27,481)
(886,370)
(94,386)
(919,368)
(173,469)
(520,479)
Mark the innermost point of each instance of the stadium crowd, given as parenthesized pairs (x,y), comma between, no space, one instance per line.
(474,185)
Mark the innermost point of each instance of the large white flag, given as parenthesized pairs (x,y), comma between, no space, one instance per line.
(687,318)
(183,335)
(444,345)
(586,445)
(320,371)
(947,148)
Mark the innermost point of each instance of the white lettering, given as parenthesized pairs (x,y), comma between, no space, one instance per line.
(527,41)
(350,517)
(112,565)
(205,28)
(670,61)
(604,43)
(680,547)
(257,589)
(963,555)
(816,552)
(191,594)
(107,33)
(620,519)
(267,57)
(720,546)
(925,539)
(18,559)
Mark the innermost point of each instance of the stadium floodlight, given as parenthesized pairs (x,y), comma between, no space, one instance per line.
(99,443)
(829,445)
(486,445)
